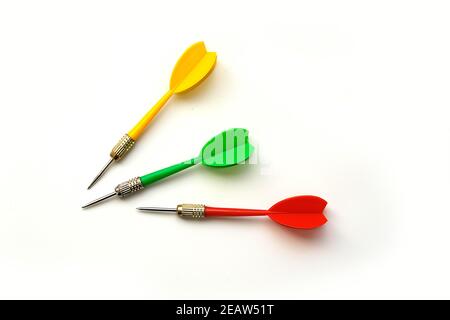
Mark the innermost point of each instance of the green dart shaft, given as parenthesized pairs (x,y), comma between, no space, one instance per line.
(166,172)
(139,183)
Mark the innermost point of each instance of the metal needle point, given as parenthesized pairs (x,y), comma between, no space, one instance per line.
(101,172)
(110,195)
(157,209)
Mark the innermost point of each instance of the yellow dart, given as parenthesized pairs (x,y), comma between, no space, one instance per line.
(193,66)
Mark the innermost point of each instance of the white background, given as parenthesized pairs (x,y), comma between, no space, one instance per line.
(347,100)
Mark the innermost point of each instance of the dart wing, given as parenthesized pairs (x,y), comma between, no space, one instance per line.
(301,212)
(193,66)
(226,149)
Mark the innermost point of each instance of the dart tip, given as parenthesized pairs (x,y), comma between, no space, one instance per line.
(101,199)
(156,209)
(100,174)
(87,205)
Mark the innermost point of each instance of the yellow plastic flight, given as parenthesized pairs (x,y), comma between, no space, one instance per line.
(193,66)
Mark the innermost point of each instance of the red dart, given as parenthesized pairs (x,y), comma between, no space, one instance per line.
(300,212)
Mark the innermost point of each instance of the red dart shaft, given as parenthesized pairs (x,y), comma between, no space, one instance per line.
(233,212)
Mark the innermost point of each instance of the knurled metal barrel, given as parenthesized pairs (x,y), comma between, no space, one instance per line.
(195,211)
(125,188)
(122,147)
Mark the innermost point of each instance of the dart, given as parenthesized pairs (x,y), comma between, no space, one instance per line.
(229,148)
(300,212)
(192,67)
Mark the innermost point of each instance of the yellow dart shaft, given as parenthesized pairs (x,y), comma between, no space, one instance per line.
(139,128)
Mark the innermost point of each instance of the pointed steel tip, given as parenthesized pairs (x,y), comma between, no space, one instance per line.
(101,199)
(145,209)
(157,209)
(85,206)
(100,174)
(93,182)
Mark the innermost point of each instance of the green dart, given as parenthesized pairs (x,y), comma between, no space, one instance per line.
(229,148)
